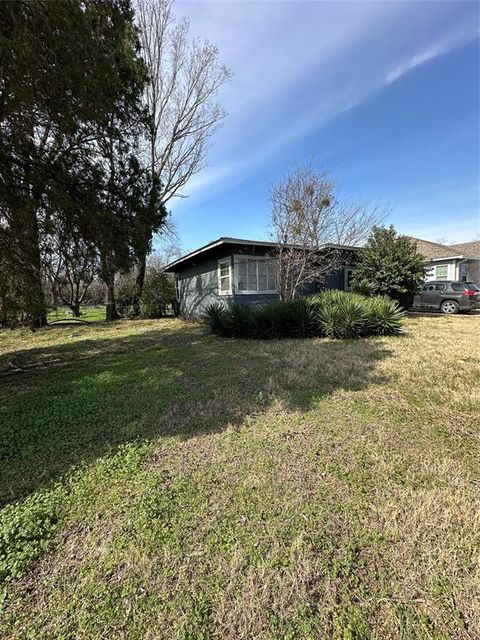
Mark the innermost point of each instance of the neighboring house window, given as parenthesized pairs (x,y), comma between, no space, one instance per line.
(224,277)
(255,275)
(463,272)
(348,278)
(441,271)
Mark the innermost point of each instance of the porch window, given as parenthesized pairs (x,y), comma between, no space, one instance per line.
(224,277)
(255,275)
(441,272)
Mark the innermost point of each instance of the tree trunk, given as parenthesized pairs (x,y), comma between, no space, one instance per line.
(111,311)
(140,280)
(25,232)
(75,309)
(108,276)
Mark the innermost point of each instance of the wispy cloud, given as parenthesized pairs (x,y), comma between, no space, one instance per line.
(457,37)
(415,61)
(297,65)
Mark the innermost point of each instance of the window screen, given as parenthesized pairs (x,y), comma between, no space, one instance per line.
(241,267)
(252,275)
(255,274)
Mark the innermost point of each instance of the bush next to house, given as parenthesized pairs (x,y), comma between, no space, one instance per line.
(333,314)
(389,265)
(158,294)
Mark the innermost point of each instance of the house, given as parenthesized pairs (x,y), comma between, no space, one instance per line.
(451,262)
(232,269)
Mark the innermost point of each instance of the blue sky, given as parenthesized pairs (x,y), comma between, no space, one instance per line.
(384,95)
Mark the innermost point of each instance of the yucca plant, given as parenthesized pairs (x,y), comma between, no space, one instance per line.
(301,318)
(385,316)
(270,321)
(334,314)
(216,315)
(241,320)
(343,316)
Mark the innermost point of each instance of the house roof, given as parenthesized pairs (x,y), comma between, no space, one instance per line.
(433,250)
(468,249)
(173,266)
(436,250)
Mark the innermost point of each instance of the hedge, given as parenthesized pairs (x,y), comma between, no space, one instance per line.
(332,314)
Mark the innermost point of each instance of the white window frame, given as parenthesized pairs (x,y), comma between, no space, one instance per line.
(347,270)
(257,259)
(445,277)
(227,261)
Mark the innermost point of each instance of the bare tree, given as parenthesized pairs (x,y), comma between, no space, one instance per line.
(184,78)
(71,264)
(165,254)
(308,215)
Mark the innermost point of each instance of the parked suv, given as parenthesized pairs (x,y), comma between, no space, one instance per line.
(448,296)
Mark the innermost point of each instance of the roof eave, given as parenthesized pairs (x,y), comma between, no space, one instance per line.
(447,258)
(254,243)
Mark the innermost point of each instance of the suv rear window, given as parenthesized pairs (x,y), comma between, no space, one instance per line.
(472,286)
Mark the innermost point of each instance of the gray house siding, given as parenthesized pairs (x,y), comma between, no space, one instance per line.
(197,287)
(198,282)
(255,298)
(335,280)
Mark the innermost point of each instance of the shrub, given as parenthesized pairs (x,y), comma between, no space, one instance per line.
(343,315)
(293,319)
(158,293)
(240,321)
(334,314)
(389,264)
(385,317)
(216,317)
(363,287)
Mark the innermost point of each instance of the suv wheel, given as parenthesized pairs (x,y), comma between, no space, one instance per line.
(449,306)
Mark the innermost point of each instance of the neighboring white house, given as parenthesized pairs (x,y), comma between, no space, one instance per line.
(451,262)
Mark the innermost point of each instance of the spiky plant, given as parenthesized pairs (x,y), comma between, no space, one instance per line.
(385,316)
(216,316)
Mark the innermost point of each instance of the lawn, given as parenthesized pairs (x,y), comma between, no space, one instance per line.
(161,483)
(92,313)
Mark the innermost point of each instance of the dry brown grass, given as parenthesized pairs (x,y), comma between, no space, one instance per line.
(295,490)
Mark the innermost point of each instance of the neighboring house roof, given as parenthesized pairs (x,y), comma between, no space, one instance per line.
(173,266)
(468,249)
(433,250)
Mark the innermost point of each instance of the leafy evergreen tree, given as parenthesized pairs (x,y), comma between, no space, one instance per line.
(68,70)
(391,265)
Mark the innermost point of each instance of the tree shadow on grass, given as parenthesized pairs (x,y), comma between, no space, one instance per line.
(71,404)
